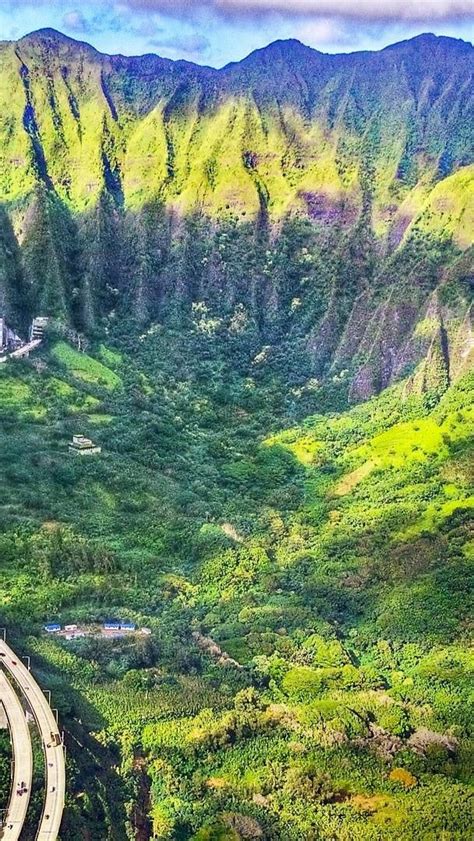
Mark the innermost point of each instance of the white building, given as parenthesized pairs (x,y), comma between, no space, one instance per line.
(37,328)
(80,445)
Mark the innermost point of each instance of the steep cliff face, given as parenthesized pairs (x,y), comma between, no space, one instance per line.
(326,196)
(288,127)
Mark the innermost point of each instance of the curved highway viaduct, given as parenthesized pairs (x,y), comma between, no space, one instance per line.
(22,762)
(55,776)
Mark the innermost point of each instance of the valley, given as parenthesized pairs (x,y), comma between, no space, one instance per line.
(337,593)
(237,466)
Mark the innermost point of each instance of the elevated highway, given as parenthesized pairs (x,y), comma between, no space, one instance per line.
(22,762)
(55,768)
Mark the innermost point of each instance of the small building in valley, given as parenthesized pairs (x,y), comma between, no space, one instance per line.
(80,445)
(118,627)
(52,628)
(38,326)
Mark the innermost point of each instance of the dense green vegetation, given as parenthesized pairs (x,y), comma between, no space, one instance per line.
(329,562)
(5,759)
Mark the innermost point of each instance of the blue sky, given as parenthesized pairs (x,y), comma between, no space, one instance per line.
(218,31)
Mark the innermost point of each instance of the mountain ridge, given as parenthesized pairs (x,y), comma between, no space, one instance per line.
(422,38)
(335,94)
(141,179)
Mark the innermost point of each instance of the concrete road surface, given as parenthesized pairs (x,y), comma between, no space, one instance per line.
(25,350)
(22,762)
(50,736)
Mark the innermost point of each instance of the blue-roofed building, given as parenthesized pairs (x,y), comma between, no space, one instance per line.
(128,626)
(52,628)
(112,625)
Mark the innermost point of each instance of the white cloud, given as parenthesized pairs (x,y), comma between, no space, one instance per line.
(75,21)
(192,44)
(324,31)
(367,10)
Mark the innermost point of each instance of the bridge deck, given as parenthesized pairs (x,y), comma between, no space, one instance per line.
(22,762)
(53,750)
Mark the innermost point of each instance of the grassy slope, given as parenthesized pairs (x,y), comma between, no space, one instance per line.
(331,560)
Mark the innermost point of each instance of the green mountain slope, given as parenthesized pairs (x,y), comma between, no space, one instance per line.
(309,586)
(328,196)
(287,127)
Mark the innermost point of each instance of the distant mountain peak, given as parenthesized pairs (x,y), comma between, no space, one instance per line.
(284,47)
(46,32)
(429,39)
(287,51)
(286,43)
(54,36)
